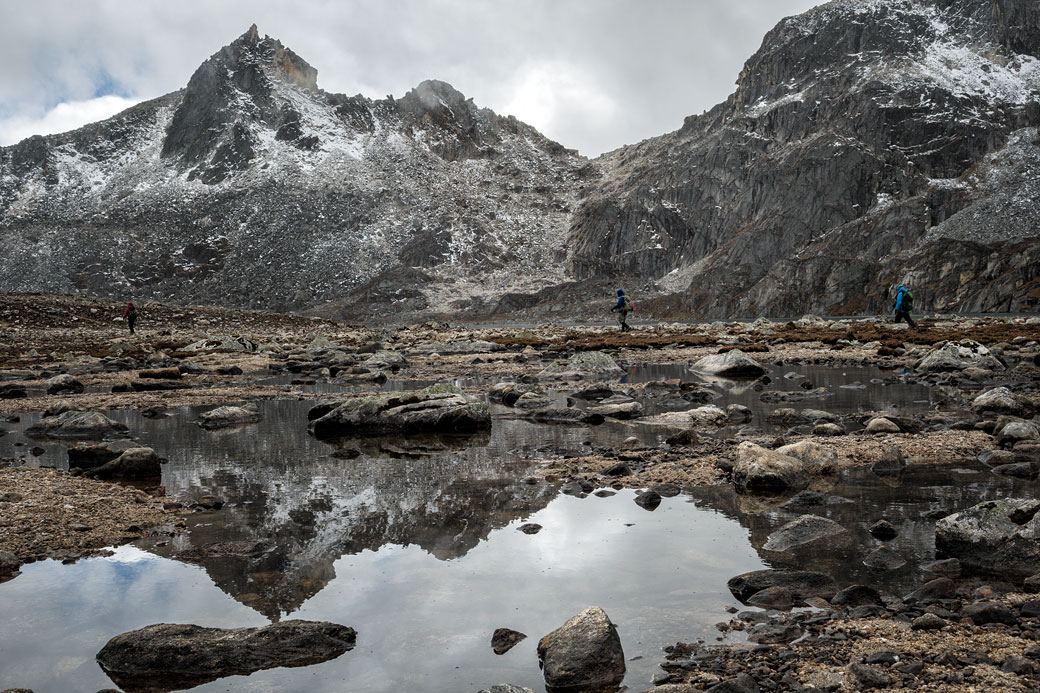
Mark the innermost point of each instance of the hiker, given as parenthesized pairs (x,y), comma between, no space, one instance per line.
(130,315)
(622,308)
(904,304)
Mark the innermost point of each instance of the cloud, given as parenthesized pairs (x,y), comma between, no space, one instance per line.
(591,75)
(62,118)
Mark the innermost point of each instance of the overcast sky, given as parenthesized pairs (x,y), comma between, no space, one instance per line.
(591,74)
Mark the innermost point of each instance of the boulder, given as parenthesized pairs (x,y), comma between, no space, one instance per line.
(13,392)
(435,409)
(984,612)
(934,590)
(621,410)
(583,365)
(774,633)
(956,356)
(880,424)
(134,463)
(996,537)
(506,393)
(762,470)
(169,656)
(533,400)
(229,415)
(731,364)
(161,373)
(816,458)
(802,583)
(386,360)
(584,653)
(884,558)
(857,595)
(64,383)
(892,462)
(227,344)
(774,598)
(90,456)
(76,424)
(503,640)
(802,530)
(1017,431)
(506,688)
(998,400)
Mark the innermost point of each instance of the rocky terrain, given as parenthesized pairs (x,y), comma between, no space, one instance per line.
(967,621)
(867,143)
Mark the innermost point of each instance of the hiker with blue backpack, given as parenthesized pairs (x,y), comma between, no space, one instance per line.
(904,304)
(623,307)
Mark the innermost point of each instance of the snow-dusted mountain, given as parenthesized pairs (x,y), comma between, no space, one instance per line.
(868,142)
(253,187)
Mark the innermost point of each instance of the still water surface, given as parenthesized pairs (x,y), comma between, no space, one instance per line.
(416,547)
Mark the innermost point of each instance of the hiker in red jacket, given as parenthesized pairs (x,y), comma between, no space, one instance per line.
(130,315)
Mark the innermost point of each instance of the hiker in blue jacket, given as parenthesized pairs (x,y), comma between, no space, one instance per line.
(904,304)
(622,308)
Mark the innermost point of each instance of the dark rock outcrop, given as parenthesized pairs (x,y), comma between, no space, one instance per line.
(583,654)
(402,412)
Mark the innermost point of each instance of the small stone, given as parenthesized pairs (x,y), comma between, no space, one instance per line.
(927,622)
(530,528)
(883,530)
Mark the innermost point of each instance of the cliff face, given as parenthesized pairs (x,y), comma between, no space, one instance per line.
(252,187)
(867,143)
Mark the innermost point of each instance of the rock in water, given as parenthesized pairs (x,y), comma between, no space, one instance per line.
(802,583)
(760,470)
(168,656)
(582,654)
(134,463)
(732,364)
(225,416)
(995,537)
(956,356)
(428,410)
(803,530)
(76,424)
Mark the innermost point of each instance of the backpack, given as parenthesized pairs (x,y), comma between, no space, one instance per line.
(908,301)
(627,304)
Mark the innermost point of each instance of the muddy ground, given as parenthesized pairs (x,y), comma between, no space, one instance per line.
(67,517)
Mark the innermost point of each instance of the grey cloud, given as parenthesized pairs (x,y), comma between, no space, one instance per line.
(653,61)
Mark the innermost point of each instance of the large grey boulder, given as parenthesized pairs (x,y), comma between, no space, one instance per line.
(64,383)
(172,656)
(134,463)
(506,688)
(999,537)
(998,400)
(227,343)
(386,360)
(817,459)
(584,653)
(802,583)
(436,409)
(802,530)
(731,364)
(90,456)
(956,356)
(619,410)
(1016,431)
(86,425)
(583,365)
(762,470)
(229,415)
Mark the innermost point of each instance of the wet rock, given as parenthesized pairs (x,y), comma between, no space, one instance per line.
(618,469)
(731,364)
(161,373)
(828,429)
(802,583)
(564,416)
(155,386)
(90,456)
(1019,666)
(995,537)
(594,392)
(866,676)
(403,412)
(229,415)
(9,565)
(76,424)
(226,344)
(757,469)
(774,598)
(532,400)
(134,463)
(183,655)
(815,498)
(857,595)
(506,688)
(985,612)
(667,490)
(928,622)
(1031,585)
(773,633)
(881,425)
(621,410)
(584,653)
(786,417)
(1019,470)
(802,530)
(998,400)
(891,463)
(583,365)
(816,459)
(503,640)
(577,487)
(64,383)
(956,356)
(819,416)
(530,528)
(949,567)
(59,407)
(13,392)
(506,393)
(933,590)
(648,500)
(884,558)
(883,530)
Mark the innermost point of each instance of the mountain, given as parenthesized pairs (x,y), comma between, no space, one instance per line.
(868,143)
(253,187)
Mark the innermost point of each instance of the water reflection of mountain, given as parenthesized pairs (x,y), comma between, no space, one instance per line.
(905,502)
(292,510)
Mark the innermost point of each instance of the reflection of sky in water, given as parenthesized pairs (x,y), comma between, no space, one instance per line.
(420,620)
